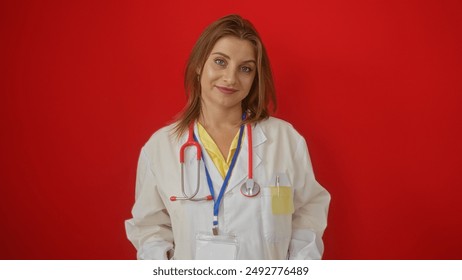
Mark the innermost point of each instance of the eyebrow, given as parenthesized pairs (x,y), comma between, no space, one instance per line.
(227,56)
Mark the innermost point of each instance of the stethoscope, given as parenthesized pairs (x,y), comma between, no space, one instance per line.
(249,189)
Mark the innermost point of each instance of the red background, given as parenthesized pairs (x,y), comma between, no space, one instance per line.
(374,86)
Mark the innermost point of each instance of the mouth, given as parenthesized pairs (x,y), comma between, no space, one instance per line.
(226,90)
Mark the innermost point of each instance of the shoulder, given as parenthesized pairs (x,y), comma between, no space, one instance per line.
(278,126)
(273,121)
(161,137)
(164,132)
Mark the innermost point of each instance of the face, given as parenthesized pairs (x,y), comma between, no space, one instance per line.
(228,73)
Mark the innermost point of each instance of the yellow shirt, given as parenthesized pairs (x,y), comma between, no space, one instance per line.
(213,151)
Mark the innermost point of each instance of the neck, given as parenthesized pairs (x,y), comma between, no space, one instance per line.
(219,118)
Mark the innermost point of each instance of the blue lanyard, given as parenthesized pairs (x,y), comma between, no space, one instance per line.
(217,202)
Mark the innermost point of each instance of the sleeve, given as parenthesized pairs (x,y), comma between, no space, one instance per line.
(150,228)
(311,203)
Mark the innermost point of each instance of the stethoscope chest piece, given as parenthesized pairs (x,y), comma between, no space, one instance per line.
(250,188)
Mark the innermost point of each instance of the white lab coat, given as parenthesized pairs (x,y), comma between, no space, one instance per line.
(159,225)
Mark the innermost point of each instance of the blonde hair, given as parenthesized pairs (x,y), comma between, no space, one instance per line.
(262,92)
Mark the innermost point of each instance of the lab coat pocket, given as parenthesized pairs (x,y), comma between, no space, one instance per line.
(277,209)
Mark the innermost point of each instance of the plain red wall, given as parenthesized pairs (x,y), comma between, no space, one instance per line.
(374,86)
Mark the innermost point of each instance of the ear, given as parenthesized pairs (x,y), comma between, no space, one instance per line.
(198,72)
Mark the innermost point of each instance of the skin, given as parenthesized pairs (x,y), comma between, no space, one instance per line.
(226,79)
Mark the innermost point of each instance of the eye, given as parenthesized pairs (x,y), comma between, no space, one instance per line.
(219,61)
(246,69)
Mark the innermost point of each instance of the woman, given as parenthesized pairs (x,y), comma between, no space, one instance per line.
(253,194)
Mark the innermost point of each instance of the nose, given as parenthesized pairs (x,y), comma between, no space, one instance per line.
(230,76)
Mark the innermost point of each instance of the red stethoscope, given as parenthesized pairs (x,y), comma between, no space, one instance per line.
(249,189)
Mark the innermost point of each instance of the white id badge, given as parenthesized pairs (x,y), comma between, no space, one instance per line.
(216,247)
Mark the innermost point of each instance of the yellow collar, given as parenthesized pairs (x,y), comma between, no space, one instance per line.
(213,151)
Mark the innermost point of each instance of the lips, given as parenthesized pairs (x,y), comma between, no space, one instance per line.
(226,90)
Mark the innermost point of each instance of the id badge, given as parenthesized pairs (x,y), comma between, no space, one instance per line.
(216,247)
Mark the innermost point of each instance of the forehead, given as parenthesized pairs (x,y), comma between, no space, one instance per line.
(235,48)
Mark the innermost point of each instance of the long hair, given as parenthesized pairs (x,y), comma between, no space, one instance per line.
(262,93)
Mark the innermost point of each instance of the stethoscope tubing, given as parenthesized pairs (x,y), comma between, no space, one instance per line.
(250,151)
(191,142)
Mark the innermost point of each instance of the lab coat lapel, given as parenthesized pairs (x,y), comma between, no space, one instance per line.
(258,138)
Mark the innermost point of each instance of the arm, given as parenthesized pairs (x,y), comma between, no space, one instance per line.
(149,230)
(311,203)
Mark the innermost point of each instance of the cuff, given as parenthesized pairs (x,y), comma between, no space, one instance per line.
(160,250)
(305,245)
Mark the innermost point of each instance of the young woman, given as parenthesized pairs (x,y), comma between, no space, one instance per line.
(247,191)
